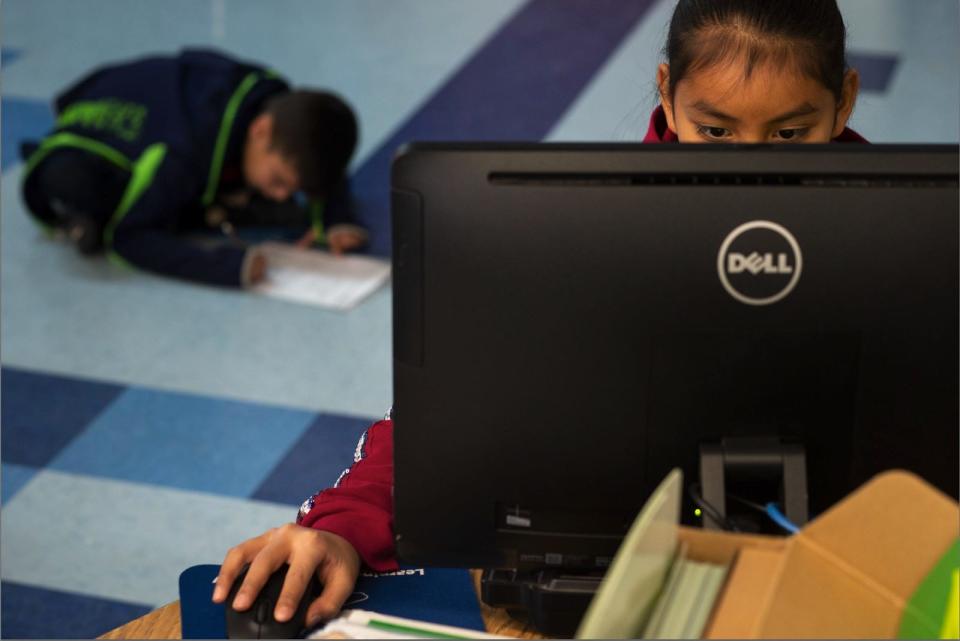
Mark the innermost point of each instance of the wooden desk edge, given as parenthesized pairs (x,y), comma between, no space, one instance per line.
(164,622)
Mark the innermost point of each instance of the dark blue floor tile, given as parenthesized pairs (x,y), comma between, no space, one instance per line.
(35,613)
(12,479)
(7,56)
(21,119)
(315,461)
(41,414)
(186,441)
(876,70)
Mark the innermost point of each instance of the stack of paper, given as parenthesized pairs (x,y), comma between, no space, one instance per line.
(361,624)
(681,611)
(651,590)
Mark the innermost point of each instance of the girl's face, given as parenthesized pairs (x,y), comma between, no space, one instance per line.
(717,104)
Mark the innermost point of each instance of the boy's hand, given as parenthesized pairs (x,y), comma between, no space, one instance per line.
(344,239)
(258,268)
(254,268)
(335,561)
(339,240)
(307,239)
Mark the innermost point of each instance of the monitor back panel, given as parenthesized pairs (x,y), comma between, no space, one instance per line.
(571,322)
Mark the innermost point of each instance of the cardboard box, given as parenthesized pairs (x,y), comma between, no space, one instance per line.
(848,574)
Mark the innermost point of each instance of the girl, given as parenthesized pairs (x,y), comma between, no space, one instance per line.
(751,71)
(747,71)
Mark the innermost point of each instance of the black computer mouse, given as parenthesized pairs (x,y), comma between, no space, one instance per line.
(257,622)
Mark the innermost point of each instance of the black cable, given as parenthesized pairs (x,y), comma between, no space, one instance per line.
(693,490)
(770,510)
(756,506)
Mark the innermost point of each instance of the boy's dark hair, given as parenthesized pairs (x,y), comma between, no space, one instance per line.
(317,132)
(808,34)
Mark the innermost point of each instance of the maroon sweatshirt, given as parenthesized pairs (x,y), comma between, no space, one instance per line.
(359,507)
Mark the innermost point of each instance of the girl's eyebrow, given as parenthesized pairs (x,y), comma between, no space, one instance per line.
(803,110)
(706,108)
(709,110)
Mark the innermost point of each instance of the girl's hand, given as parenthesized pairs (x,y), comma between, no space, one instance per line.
(335,561)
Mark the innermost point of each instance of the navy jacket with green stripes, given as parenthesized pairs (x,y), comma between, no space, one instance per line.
(177,124)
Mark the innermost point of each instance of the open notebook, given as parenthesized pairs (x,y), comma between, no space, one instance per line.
(314,277)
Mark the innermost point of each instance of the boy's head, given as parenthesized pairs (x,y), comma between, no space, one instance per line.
(757,71)
(301,140)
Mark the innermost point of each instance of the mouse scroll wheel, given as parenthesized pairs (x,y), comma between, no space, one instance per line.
(263,611)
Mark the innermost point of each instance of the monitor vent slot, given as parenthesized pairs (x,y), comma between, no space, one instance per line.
(714,180)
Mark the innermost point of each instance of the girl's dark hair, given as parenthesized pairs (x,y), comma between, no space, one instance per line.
(317,132)
(808,34)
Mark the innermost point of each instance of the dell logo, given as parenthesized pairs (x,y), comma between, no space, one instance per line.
(755,263)
(759,263)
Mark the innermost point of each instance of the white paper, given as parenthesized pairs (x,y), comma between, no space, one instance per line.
(319,278)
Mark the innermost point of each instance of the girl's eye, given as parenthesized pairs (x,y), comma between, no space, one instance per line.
(792,134)
(713,133)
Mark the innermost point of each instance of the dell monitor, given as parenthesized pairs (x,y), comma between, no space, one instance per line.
(571,321)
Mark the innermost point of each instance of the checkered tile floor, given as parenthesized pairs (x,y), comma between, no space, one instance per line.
(86,465)
(149,425)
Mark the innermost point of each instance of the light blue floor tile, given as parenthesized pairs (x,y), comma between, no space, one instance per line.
(121,541)
(60,40)
(185,441)
(13,478)
(923,100)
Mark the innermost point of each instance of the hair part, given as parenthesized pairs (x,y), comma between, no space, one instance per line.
(808,36)
(317,132)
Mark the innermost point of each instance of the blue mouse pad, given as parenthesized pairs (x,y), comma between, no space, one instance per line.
(438,595)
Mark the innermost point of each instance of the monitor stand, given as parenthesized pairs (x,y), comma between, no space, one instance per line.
(777,468)
(552,601)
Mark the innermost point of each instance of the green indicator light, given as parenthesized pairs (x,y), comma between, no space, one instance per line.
(697,512)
